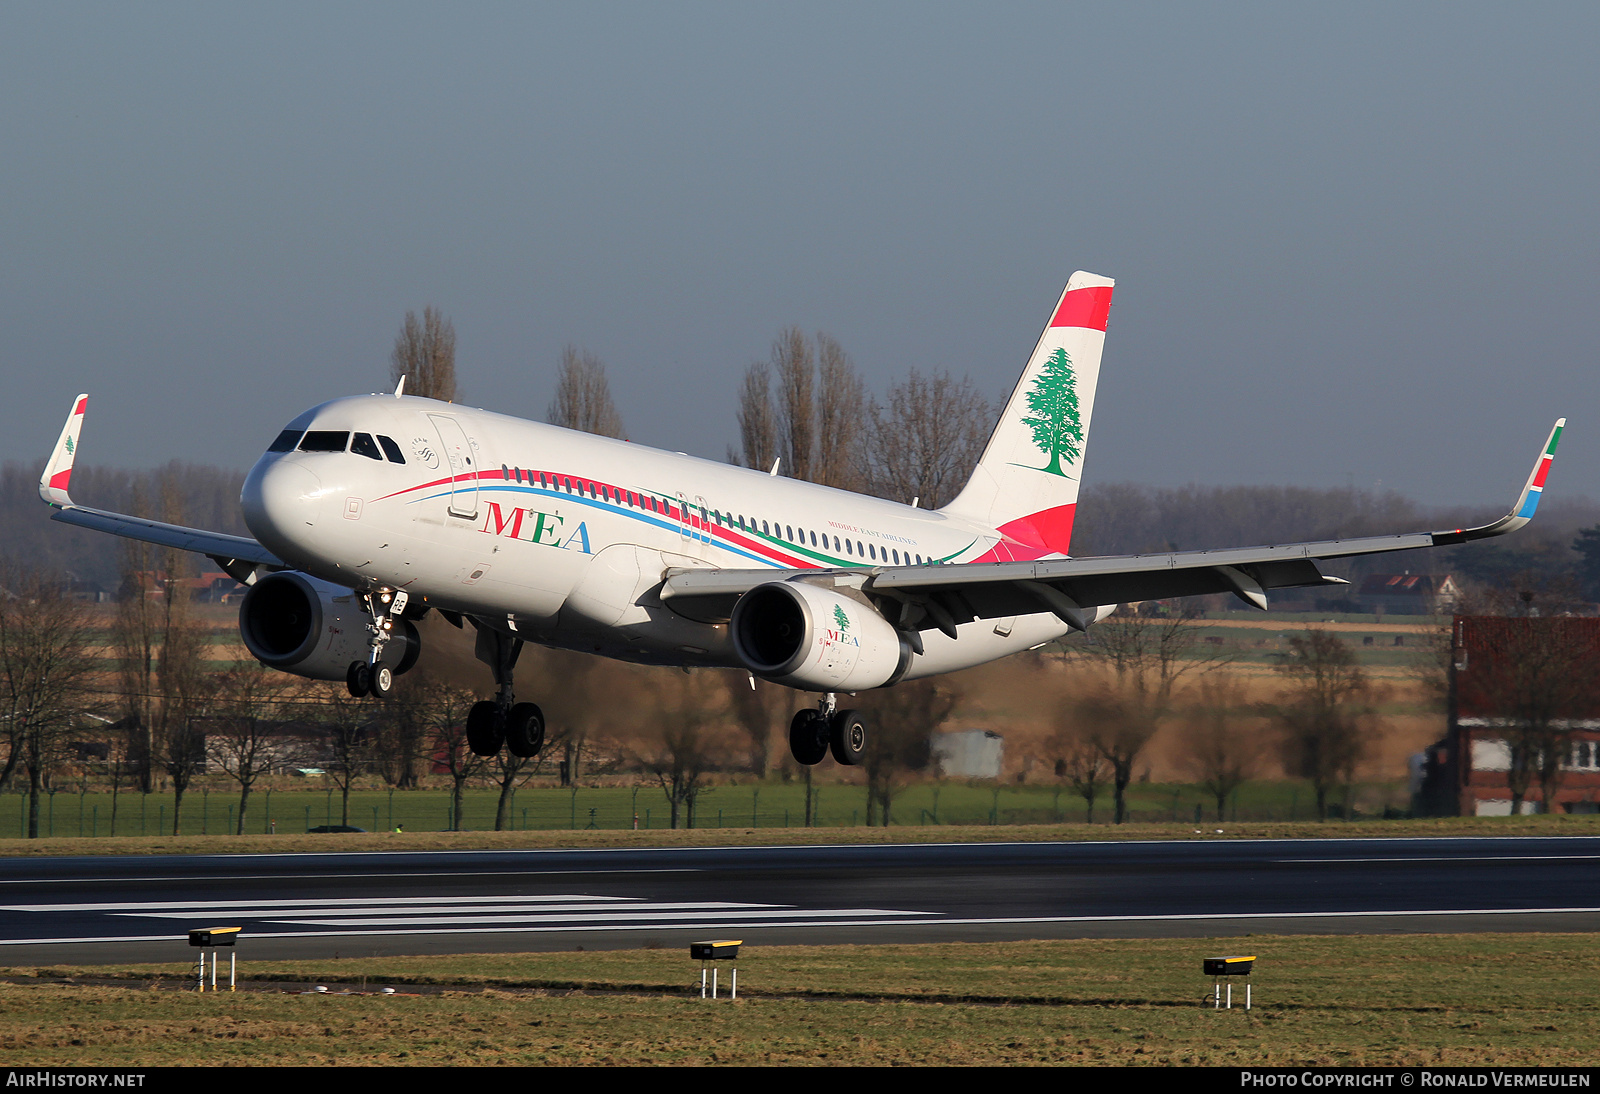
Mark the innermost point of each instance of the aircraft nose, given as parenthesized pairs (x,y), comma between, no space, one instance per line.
(281,502)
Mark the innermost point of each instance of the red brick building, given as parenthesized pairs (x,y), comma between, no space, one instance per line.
(1524,698)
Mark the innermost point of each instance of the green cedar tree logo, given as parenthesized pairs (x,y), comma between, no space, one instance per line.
(1053,413)
(69,446)
(840,618)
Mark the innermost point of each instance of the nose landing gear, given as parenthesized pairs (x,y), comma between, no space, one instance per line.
(372,677)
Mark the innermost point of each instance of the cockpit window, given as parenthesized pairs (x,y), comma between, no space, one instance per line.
(391,449)
(286,441)
(364,445)
(324,440)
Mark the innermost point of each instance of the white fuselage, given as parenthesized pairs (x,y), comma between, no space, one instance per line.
(565,538)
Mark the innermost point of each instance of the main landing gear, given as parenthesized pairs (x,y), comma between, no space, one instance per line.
(502,721)
(371,677)
(814,733)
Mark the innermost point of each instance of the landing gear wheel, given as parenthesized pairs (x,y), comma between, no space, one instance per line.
(847,736)
(486,728)
(808,737)
(382,681)
(358,678)
(525,730)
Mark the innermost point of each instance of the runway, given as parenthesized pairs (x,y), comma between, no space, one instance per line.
(114,909)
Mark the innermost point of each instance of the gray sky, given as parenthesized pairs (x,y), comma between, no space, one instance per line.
(1353,243)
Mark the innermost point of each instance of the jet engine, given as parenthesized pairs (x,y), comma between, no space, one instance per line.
(806,636)
(296,623)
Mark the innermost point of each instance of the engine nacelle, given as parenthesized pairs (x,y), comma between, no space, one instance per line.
(297,623)
(806,636)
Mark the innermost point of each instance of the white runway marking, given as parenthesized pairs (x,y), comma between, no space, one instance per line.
(1441,858)
(167,878)
(455,914)
(804,919)
(308,903)
(464,914)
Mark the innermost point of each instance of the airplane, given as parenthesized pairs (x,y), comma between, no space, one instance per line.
(370,511)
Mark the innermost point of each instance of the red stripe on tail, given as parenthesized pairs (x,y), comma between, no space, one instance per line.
(1084,308)
(1047,532)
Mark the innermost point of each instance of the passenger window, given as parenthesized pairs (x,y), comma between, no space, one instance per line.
(847,549)
(285,441)
(324,440)
(391,449)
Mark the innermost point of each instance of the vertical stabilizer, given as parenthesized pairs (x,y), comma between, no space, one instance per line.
(1026,484)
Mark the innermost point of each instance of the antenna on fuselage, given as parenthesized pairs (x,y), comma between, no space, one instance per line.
(775,464)
(401,386)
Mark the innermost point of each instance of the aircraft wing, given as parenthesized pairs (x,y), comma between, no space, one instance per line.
(1072,588)
(238,555)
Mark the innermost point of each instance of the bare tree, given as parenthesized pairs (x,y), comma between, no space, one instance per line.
(184,686)
(580,693)
(506,771)
(1217,747)
(686,744)
(760,708)
(927,438)
(807,406)
(758,424)
(243,738)
(583,398)
(347,742)
(444,708)
(1324,713)
(904,719)
(46,667)
(1078,760)
(425,355)
(1147,656)
(841,418)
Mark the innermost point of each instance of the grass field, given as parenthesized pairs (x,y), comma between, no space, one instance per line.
(1525,999)
(769,804)
(420,840)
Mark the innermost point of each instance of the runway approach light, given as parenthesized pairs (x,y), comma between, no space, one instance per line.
(1219,968)
(708,954)
(211,937)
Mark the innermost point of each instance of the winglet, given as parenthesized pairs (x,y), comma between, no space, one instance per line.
(58,472)
(1527,502)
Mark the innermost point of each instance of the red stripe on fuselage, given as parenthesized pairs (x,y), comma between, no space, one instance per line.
(668,511)
(1084,308)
